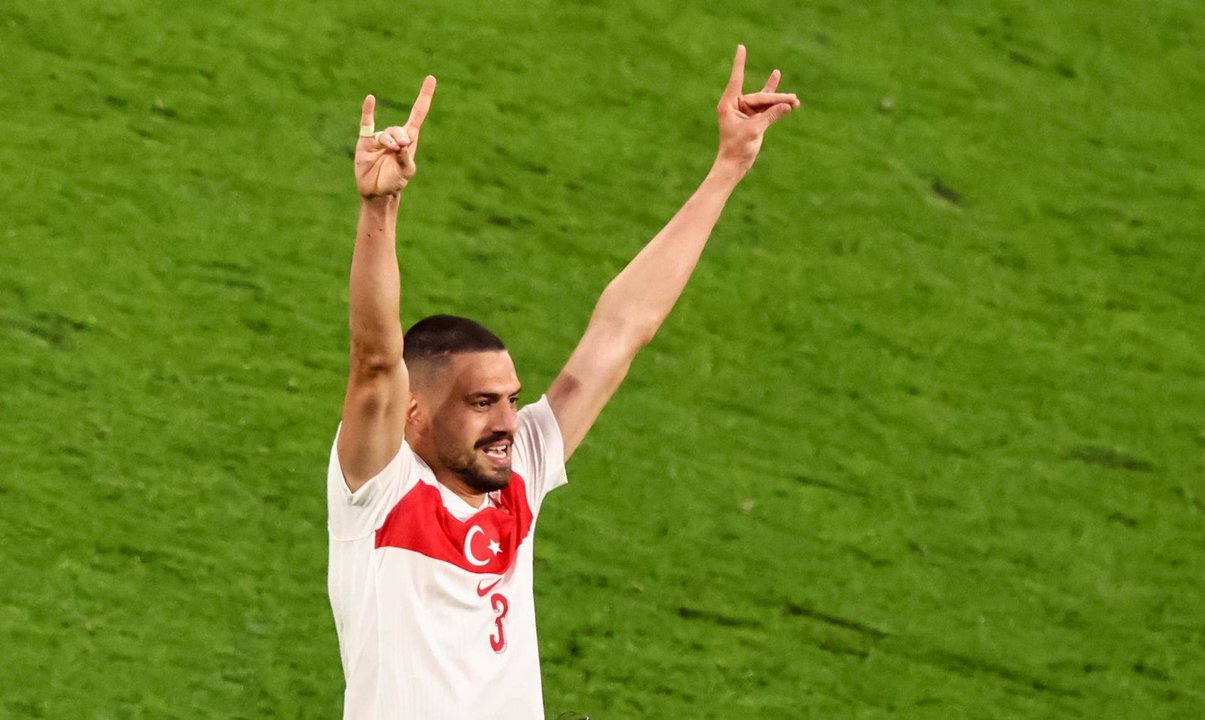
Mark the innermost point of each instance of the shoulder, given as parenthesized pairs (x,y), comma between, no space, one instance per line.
(353,515)
(402,465)
(539,450)
(538,418)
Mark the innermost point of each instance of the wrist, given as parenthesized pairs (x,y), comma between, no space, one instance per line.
(727,170)
(381,203)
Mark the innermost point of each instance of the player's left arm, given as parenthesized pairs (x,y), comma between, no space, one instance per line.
(637,301)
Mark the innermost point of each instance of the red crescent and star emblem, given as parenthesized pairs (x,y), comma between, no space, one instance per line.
(481,546)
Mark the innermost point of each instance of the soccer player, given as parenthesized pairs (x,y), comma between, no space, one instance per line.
(436,476)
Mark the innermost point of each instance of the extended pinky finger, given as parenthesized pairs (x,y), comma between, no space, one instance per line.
(367,113)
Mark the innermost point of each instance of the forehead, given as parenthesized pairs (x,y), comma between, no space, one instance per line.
(490,371)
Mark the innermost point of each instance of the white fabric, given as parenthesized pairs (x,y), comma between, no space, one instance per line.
(415,632)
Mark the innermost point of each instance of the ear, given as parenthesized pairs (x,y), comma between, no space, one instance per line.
(416,415)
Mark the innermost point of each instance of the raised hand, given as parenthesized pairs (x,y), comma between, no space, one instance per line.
(744,118)
(385,159)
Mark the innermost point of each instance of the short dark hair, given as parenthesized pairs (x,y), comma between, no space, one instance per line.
(438,337)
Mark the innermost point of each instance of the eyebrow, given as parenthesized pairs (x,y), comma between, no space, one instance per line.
(490,395)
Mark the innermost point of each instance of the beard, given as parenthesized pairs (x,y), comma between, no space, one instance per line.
(481,480)
(468,467)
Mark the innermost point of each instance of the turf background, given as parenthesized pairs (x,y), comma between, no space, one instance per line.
(924,438)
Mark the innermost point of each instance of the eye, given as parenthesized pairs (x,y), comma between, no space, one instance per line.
(483,404)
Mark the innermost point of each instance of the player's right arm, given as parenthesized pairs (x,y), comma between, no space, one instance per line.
(378,387)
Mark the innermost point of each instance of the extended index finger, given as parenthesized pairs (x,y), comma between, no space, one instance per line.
(422,105)
(772,82)
(737,80)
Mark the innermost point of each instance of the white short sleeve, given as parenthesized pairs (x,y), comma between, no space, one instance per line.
(351,516)
(539,451)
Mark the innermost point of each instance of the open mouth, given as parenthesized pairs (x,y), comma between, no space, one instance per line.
(498,452)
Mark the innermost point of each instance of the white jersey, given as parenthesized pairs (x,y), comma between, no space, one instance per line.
(432,597)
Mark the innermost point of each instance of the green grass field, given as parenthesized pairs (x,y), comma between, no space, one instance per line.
(925,438)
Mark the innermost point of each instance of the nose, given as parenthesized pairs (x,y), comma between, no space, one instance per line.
(506,419)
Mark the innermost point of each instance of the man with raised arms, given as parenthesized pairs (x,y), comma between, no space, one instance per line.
(436,476)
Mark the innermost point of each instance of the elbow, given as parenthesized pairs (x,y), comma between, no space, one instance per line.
(640,334)
(632,332)
(632,321)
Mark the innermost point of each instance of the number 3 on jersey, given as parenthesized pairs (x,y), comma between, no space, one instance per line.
(500,606)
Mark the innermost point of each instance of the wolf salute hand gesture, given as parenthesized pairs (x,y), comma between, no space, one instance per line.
(378,384)
(625,318)
(385,160)
(438,475)
(744,118)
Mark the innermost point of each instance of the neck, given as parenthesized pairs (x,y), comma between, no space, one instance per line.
(452,481)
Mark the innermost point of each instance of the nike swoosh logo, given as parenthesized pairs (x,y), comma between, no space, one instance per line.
(481,591)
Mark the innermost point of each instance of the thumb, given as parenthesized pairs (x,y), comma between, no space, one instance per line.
(776,113)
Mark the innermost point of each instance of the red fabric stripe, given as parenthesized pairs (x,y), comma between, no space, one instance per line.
(421,523)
